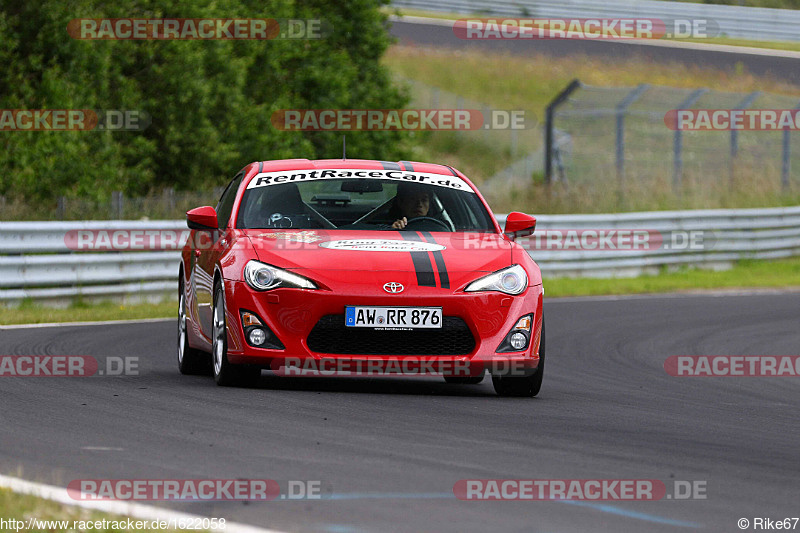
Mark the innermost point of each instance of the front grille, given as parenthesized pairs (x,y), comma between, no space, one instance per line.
(330,335)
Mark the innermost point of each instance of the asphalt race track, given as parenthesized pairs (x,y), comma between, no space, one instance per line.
(780,65)
(388,450)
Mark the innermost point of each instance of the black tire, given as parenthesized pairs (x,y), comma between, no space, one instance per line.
(527,386)
(225,373)
(190,360)
(459,380)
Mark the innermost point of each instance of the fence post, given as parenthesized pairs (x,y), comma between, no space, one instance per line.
(116,205)
(744,104)
(548,127)
(677,144)
(513,143)
(786,166)
(622,107)
(170,193)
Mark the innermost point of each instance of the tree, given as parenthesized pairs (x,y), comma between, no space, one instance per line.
(210,101)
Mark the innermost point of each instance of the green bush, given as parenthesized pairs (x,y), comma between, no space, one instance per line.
(210,101)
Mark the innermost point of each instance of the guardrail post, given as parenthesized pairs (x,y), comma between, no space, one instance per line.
(622,107)
(677,144)
(61,208)
(548,127)
(744,104)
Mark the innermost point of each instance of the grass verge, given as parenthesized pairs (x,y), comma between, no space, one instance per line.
(745,274)
(21,507)
(32,313)
(506,81)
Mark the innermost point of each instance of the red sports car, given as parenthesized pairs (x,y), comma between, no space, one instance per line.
(351,266)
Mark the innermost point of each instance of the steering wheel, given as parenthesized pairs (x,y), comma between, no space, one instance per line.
(279,220)
(436,221)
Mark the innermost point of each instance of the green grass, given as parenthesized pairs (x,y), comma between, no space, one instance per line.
(21,507)
(745,274)
(505,81)
(32,313)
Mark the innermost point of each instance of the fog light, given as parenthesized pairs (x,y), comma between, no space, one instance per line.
(518,340)
(257,336)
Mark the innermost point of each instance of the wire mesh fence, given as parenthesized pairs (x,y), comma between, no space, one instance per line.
(168,204)
(516,141)
(619,139)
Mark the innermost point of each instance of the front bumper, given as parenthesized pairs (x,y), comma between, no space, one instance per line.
(292,314)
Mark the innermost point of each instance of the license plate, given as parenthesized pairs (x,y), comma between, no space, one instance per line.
(393,317)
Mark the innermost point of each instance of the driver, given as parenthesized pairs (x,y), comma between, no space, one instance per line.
(412,201)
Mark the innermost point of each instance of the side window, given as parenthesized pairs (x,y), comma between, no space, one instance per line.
(225,205)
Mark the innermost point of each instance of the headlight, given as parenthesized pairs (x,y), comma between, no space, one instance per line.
(511,280)
(263,277)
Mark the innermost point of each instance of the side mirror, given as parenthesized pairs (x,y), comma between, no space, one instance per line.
(519,225)
(202,218)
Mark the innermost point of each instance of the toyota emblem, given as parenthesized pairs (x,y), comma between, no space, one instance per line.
(393,288)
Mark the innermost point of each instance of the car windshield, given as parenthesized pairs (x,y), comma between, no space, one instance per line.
(361,204)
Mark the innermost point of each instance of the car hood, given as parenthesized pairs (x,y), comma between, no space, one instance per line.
(430,257)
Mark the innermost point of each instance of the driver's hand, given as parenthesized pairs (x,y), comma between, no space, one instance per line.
(400,223)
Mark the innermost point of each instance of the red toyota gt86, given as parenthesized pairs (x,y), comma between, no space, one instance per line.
(349,265)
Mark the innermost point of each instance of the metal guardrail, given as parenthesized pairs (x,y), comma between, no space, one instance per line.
(37,262)
(734,21)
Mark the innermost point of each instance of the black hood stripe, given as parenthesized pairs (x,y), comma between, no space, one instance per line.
(438,256)
(408,165)
(422,262)
(389,165)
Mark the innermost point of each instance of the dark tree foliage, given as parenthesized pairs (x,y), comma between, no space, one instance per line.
(210,101)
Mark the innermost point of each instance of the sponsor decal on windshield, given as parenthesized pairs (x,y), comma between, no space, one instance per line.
(382,245)
(298,176)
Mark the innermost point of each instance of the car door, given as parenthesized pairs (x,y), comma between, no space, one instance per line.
(208,257)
